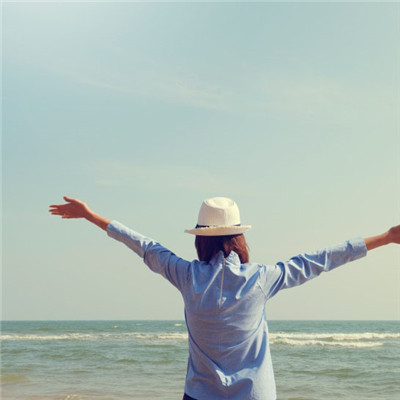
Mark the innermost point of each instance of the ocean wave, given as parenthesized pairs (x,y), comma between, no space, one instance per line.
(67,336)
(335,336)
(173,336)
(294,342)
(63,397)
(360,340)
(332,339)
(162,336)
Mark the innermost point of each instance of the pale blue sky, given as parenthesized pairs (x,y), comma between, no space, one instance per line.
(144,109)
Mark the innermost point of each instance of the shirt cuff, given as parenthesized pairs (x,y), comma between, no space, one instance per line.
(359,248)
(115,229)
(134,240)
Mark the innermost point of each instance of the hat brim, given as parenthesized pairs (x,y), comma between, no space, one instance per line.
(219,230)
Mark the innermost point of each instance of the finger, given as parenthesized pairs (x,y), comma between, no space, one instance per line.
(61,207)
(64,206)
(69,199)
(60,210)
(56,211)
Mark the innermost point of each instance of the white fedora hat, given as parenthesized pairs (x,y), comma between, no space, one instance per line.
(218,216)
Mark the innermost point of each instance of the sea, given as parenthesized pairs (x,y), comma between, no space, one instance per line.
(121,360)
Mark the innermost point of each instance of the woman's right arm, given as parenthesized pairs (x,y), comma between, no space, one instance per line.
(306,266)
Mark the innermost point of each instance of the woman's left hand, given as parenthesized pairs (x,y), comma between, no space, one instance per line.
(74,208)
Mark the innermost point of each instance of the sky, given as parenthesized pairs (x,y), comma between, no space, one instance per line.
(143,109)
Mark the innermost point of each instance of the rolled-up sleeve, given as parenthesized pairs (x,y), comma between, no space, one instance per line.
(158,258)
(306,266)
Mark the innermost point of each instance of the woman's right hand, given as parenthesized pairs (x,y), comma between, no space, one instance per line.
(73,208)
(391,236)
(394,234)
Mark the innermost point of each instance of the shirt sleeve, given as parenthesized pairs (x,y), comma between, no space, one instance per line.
(306,266)
(158,258)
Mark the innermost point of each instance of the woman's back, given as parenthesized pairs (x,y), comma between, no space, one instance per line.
(228,344)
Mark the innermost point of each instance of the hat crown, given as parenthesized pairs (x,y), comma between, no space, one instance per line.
(219,211)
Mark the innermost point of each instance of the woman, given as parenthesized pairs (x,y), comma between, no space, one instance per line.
(225,295)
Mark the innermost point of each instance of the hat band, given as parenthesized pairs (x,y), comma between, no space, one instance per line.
(208,226)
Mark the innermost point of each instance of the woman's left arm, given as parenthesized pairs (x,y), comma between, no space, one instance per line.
(158,258)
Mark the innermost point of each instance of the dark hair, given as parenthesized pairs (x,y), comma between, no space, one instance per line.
(208,246)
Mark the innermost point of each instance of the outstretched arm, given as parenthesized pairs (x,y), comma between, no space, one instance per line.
(75,208)
(306,266)
(156,257)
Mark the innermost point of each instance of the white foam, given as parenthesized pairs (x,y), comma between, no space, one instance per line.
(336,336)
(68,336)
(334,339)
(173,336)
(82,336)
(294,342)
(161,336)
(366,339)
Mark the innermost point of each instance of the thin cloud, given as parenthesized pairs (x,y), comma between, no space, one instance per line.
(191,91)
(179,177)
(300,94)
(148,80)
(166,86)
(100,84)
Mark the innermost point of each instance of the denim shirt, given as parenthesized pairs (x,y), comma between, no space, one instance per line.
(229,354)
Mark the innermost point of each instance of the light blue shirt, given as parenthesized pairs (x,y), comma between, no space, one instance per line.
(229,354)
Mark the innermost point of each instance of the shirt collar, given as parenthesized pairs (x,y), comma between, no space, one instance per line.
(232,258)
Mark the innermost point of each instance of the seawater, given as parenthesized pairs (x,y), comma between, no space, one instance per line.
(118,360)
